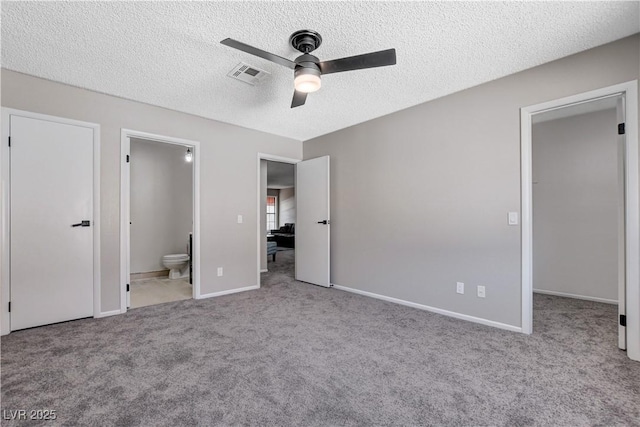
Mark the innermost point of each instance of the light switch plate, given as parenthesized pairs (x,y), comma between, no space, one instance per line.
(239,219)
(460,287)
(513,218)
(219,271)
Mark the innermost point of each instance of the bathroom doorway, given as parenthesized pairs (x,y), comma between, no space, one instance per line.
(159,220)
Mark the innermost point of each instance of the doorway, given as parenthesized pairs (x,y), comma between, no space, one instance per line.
(277,219)
(579,207)
(159,219)
(312,228)
(51,220)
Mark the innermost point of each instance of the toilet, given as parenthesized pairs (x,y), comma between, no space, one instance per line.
(178,265)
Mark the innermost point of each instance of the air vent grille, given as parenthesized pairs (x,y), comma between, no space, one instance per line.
(248,74)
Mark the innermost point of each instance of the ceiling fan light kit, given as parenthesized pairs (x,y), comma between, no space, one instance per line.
(308,69)
(307,80)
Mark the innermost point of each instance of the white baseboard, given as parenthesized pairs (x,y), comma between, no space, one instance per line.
(432,309)
(584,297)
(264,270)
(108,313)
(228,292)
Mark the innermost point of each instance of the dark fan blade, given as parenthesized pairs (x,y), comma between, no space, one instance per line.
(359,62)
(258,52)
(298,99)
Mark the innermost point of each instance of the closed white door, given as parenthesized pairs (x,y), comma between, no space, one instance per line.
(313,221)
(51,272)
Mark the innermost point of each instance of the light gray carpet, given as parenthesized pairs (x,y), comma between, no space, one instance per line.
(295,354)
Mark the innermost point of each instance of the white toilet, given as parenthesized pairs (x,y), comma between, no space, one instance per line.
(178,265)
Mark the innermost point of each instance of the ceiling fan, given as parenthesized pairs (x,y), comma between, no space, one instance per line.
(308,69)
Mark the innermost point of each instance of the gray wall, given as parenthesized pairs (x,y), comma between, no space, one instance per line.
(575,205)
(228,175)
(287,206)
(161,203)
(419,198)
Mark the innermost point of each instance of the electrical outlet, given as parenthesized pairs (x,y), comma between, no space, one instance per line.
(481,292)
(219,271)
(460,287)
(239,219)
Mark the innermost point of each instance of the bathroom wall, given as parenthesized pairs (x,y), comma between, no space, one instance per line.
(287,206)
(575,206)
(161,203)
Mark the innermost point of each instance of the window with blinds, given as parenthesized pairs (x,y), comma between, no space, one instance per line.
(272,213)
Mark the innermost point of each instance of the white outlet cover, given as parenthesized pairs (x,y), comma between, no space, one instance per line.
(239,219)
(219,271)
(513,218)
(481,292)
(460,287)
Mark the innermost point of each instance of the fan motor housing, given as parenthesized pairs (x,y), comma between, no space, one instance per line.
(308,64)
(307,69)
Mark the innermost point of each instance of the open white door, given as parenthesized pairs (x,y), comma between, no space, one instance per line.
(622,269)
(313,221)
(52,219)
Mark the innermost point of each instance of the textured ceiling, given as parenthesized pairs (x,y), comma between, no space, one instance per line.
(168,53)
(280,175)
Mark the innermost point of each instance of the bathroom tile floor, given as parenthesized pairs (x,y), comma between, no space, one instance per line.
(158,290)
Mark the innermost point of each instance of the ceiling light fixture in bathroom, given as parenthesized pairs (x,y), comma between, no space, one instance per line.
(188,156)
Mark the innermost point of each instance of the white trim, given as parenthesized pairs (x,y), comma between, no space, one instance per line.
(274,158)
(109,313)
(632,224)
(432,309)
(5,296)
(5,318)
(582,297)
(229,292)
(265,270)
(125,189)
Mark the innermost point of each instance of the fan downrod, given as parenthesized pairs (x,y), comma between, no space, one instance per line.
(305,41)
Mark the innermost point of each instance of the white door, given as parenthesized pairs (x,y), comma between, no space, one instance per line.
(51,269)
(622,270)
(312,221)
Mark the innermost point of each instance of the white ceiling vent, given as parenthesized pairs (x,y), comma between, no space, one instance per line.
(248,74)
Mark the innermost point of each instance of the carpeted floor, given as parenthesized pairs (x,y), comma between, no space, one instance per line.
(295,354)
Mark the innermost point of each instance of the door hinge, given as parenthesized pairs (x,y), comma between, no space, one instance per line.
(623,320)
(621,129)
(9,141)
(127,287)
(127,158)
(9,306)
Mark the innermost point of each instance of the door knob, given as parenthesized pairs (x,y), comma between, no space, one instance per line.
(84,223)
(326,221)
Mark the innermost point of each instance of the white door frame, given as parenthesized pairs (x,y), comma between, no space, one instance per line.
(273,158)
(632,211)
(5,176)
(125,208)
